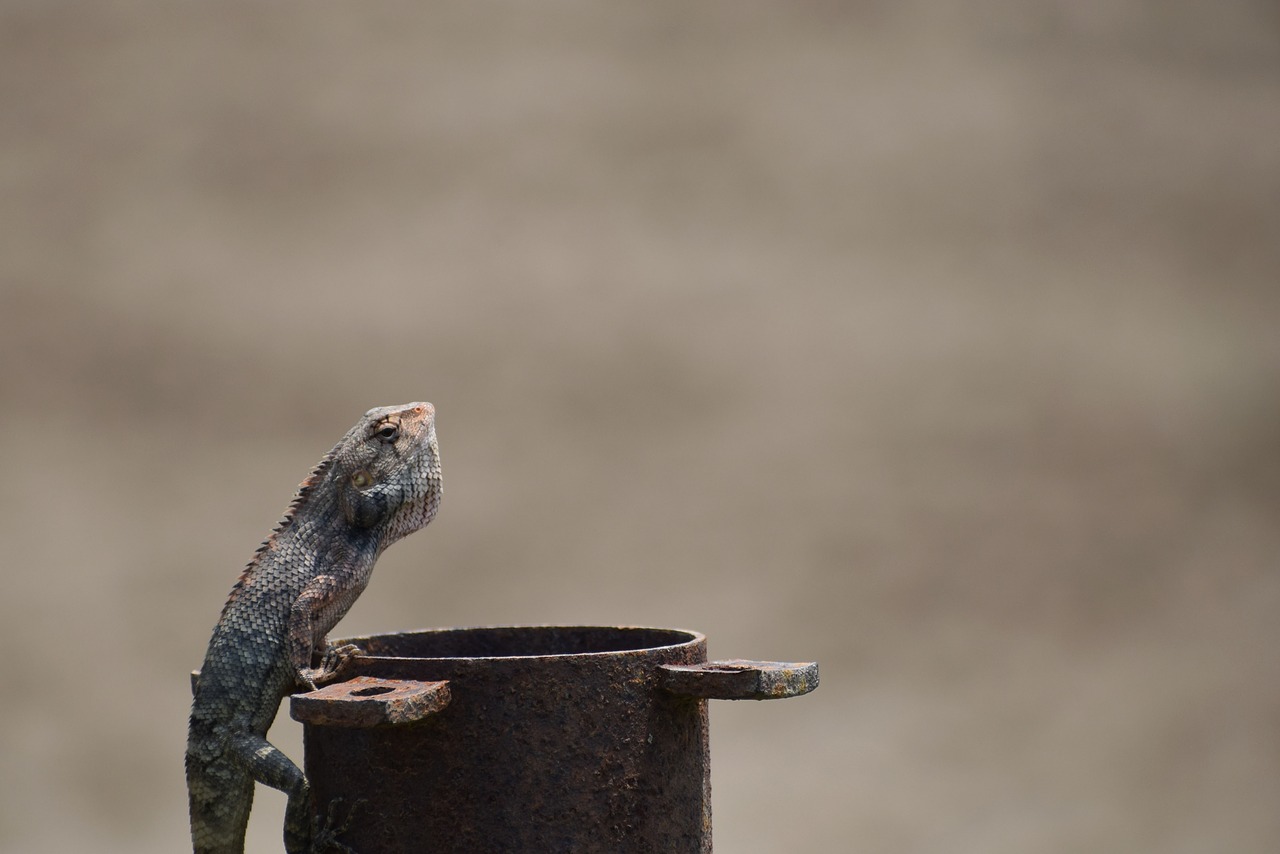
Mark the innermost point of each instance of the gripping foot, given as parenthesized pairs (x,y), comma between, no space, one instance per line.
(326,828)
(335,665)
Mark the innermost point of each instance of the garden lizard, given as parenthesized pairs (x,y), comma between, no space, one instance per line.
(380,483)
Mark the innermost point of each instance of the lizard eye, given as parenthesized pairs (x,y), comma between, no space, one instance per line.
(387,432)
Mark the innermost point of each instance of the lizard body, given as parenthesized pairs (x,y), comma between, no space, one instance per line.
(381,482)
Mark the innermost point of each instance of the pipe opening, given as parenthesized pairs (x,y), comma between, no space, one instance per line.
(521,641)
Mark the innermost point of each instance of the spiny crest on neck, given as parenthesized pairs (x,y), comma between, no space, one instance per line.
(301,499)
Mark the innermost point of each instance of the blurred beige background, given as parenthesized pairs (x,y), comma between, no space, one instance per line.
(935,341)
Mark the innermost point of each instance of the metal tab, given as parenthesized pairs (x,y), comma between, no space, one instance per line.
(366,701)
(737,679)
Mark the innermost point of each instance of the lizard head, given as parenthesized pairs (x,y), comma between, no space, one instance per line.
(387,470)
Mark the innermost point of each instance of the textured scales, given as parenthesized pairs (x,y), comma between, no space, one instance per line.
(380,483)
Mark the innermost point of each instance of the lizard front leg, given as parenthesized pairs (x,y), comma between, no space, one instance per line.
(316,609)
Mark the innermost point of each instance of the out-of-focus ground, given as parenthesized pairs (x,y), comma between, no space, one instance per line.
(934,341)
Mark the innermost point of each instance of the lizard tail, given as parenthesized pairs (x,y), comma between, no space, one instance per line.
(220,795)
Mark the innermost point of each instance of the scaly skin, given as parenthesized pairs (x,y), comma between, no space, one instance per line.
(380,483)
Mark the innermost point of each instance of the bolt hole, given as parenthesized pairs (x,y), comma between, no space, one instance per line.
(372,691)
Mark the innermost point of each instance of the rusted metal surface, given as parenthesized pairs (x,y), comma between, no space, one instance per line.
(555,739)
(738,679)
(365,701)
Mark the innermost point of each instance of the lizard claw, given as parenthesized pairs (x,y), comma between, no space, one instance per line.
(325,831)
(335,666)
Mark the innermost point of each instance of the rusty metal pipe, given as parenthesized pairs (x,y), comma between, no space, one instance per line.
(528,739)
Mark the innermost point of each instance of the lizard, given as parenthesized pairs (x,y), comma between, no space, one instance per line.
(380,483)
